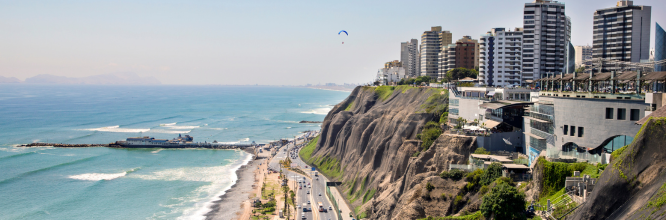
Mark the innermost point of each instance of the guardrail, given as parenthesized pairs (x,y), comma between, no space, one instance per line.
(335,203)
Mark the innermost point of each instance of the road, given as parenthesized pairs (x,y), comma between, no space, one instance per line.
(316,187)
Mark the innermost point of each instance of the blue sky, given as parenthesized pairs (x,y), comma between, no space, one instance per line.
(245,42)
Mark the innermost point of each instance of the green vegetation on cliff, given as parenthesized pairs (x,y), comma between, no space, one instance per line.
(504,202)
(306,152)
(383,92)
(328,166)
(431,131)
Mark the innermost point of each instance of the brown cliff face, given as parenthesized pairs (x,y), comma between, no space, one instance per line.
(374,143)
(633,186)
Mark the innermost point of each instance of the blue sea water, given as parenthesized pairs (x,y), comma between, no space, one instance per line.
(105,183)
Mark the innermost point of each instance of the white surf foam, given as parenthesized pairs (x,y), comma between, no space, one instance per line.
(244,140)
(169,131)
(318,111)
(117,128)
(174,126)
(156,151)
(101,176)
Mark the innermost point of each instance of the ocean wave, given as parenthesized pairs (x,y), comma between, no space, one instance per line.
(101,176)
(174,126)
(288,127)
(318,111)
(215,190)
(245,139)
(117,128)
(169,131)
(156,151)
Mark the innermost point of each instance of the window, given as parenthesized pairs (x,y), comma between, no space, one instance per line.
(566,128)
(572,131)
(621,114)
(580,131)
(635,115)
(609,113)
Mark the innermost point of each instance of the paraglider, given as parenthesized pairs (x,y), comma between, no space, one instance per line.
(346,34)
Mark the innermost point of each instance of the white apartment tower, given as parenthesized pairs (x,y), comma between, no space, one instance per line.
(546,37)
(622,33)
(500,60)
(583,54)
(431,46)
(409,52)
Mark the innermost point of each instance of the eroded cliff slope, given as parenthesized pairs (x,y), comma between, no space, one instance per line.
(633,186)
(368,142)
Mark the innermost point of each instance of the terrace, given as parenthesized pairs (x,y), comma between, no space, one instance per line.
(609,85)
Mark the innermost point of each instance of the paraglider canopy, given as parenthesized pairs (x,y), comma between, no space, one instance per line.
(343,31)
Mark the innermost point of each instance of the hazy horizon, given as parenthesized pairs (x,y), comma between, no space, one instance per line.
(245,43)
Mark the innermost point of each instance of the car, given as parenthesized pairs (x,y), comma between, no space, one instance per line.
(319,194)
(330,208)
(303,216)
(308,192)
(308,202)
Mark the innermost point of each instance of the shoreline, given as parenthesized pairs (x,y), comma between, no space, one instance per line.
(231,204)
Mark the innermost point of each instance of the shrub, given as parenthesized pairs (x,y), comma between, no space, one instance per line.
(458,200)
(444,196)
(481,150)
(444,118)
(555,174)
(456,174)
(493,172)
(429,186)
(469,187)
(578,166)
(430,133)
(504,202)
(483,190)
(506,180)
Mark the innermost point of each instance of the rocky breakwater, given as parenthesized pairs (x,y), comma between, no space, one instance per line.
(369,143)
(633,186)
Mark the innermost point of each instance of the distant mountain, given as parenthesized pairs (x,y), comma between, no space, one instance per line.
(104,79)
(9,80)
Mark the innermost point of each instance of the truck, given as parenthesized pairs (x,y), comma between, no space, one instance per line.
(321,207)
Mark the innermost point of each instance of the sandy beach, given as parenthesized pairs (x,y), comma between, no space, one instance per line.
(236,200)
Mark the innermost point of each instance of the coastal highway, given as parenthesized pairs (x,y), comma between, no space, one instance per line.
(317,187)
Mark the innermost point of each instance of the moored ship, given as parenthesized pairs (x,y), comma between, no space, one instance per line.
(180,142)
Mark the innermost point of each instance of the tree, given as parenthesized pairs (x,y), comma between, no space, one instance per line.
(459,73)
(580,69)
(493,172)
(503,202)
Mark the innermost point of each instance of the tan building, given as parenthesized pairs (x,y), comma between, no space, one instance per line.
(583,54)
(432,43)
(395,63)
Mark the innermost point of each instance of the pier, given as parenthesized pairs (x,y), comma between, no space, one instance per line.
(114,145)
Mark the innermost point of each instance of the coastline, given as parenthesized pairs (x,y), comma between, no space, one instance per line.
(231,204)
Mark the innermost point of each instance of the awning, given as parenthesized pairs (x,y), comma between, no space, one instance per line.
(491,93)
(534,136)
(491,123)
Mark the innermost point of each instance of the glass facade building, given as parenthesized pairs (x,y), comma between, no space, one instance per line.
(659,47)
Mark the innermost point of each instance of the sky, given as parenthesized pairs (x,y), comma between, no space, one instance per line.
(246,42)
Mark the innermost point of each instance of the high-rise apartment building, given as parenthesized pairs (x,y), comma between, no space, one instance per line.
(583,54)
(459,55)
(546,35)
(409,57)
(431,46)
(571,59)
(500,60)
(659,47)
(622,33)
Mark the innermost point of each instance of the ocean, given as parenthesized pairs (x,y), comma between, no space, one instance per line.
(106,183)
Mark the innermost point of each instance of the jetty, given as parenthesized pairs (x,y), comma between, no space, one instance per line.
(114,145)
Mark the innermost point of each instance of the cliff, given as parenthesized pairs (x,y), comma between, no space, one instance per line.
(633,186)
(368,142)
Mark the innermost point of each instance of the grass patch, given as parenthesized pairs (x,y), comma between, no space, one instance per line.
(543,201)
(383,92)
(404,88)
(306,152)
(368,195)
(436,102)
(350,106)
(658,200)
(431,131)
